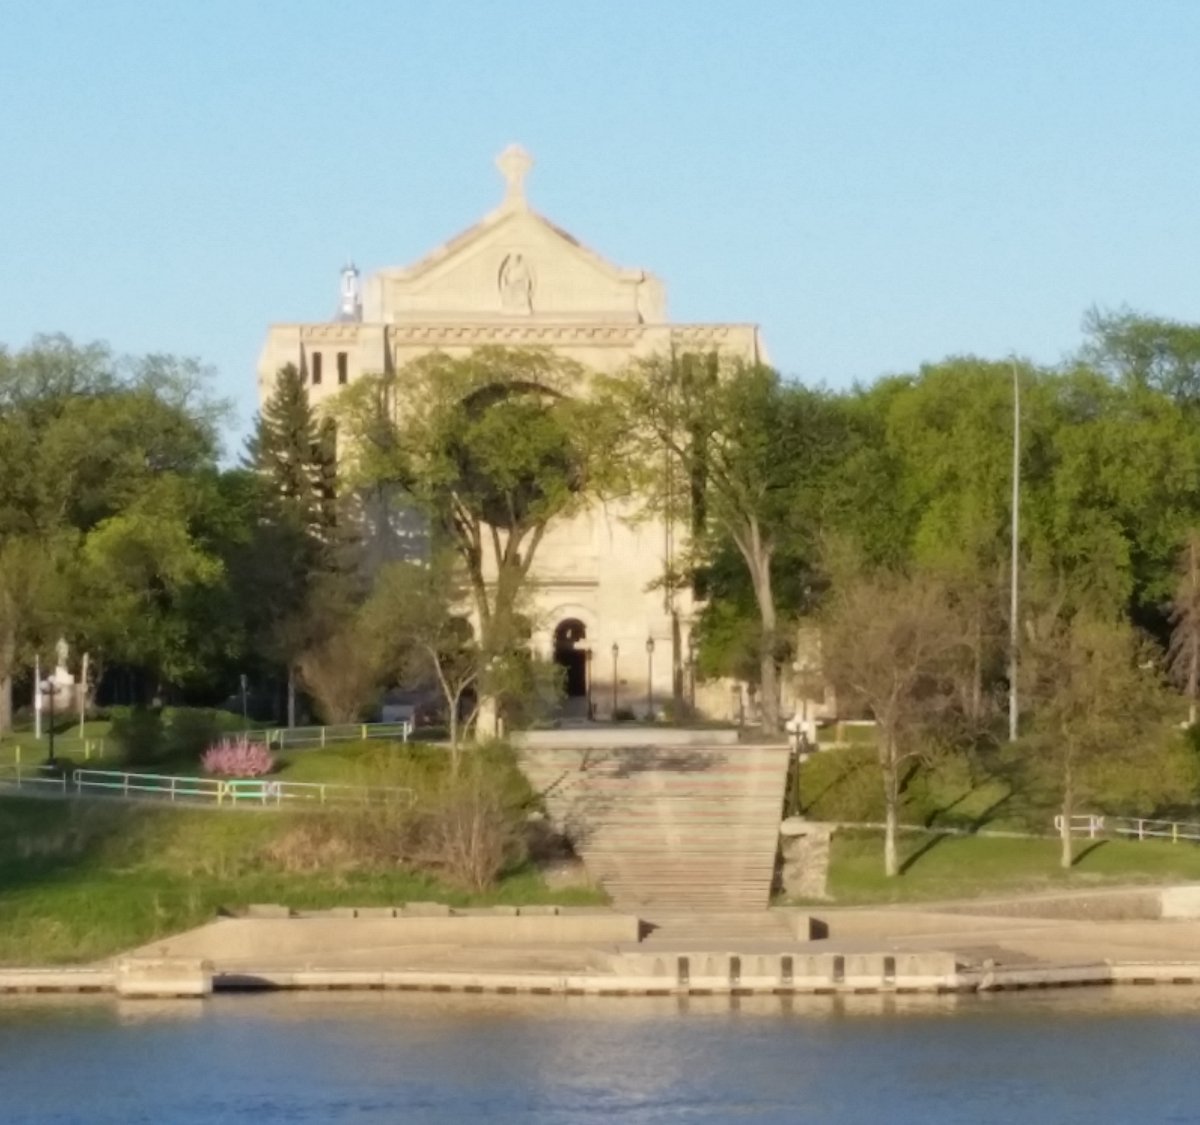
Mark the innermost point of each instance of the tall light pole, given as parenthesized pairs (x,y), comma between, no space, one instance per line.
(1014,631)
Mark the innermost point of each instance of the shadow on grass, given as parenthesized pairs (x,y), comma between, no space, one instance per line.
(923,850)
(1080,856)
(848,769)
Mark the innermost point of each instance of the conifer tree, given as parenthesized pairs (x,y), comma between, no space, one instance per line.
(295,452)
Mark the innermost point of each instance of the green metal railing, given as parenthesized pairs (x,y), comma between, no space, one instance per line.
(307,738)
(221,792)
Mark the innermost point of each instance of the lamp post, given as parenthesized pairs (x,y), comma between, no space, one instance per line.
(650,677)
(692,673)
(587,685)
(37,697)
(616,651)
(245,710)
(51,690)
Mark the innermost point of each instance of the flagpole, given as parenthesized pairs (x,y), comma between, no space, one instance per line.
(1013,625)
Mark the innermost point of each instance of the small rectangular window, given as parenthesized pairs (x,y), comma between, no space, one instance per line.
(316,368)
(343,365)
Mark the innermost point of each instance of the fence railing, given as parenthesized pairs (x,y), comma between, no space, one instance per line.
(232,792)
(300,738)
(227,793)
(276,738)
(1133,828)
(30,777)
(88,749)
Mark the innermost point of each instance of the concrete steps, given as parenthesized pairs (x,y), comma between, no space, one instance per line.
(674,827)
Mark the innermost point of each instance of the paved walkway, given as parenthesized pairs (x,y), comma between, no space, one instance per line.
(974,939)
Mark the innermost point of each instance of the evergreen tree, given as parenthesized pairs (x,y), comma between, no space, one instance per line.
(295,456)
(296,453)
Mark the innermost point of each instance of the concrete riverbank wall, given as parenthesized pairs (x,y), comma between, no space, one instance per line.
(865,974)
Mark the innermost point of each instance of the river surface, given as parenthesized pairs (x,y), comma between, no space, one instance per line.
(1126,1055)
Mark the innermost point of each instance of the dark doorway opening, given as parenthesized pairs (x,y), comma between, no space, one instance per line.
(570,654)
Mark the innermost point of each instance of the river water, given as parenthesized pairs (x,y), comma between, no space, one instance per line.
(1125,1055)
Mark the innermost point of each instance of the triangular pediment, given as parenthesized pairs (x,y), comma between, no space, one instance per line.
(514,263)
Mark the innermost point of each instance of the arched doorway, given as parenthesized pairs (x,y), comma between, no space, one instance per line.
(571,654)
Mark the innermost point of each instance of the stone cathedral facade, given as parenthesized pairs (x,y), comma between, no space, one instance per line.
(516,279)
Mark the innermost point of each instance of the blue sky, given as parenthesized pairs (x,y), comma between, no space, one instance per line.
(876,184)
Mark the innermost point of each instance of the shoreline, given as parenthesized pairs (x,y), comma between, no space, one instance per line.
(45,981)
(1135,936)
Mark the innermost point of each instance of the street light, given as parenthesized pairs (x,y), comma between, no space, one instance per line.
(587,672)
(692,672)
(50,688)
(616,651)
(650,677)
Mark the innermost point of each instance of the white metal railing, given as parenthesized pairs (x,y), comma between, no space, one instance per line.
(229,793)
(299,738)
(31,777)
(1135,828)
(70,747)
(276,738)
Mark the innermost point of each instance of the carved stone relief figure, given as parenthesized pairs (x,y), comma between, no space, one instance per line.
(515,283)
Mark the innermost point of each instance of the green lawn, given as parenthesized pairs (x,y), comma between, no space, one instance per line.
(949,867)
(69,740)
(845,785)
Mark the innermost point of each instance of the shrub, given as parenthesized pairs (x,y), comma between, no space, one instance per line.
(237,757)
(139,736)
(190,730)
(468,831)
(468,827)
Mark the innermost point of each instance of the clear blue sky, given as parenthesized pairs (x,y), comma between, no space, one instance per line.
(876,184)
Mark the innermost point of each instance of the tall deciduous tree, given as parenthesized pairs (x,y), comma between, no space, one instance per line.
(1096,699)
(1153,352)
(892,644)
(417,613)
(85,440)
(491,448)
(732,452)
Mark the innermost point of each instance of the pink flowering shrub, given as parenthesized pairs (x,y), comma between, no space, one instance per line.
(237,757)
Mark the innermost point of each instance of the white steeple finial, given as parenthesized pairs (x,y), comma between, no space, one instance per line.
(514,164)
(350,299)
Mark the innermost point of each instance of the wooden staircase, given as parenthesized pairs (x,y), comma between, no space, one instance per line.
(684,828)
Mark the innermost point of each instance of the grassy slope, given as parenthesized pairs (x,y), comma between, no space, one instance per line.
(844,785)
(961,867)
(80,880)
